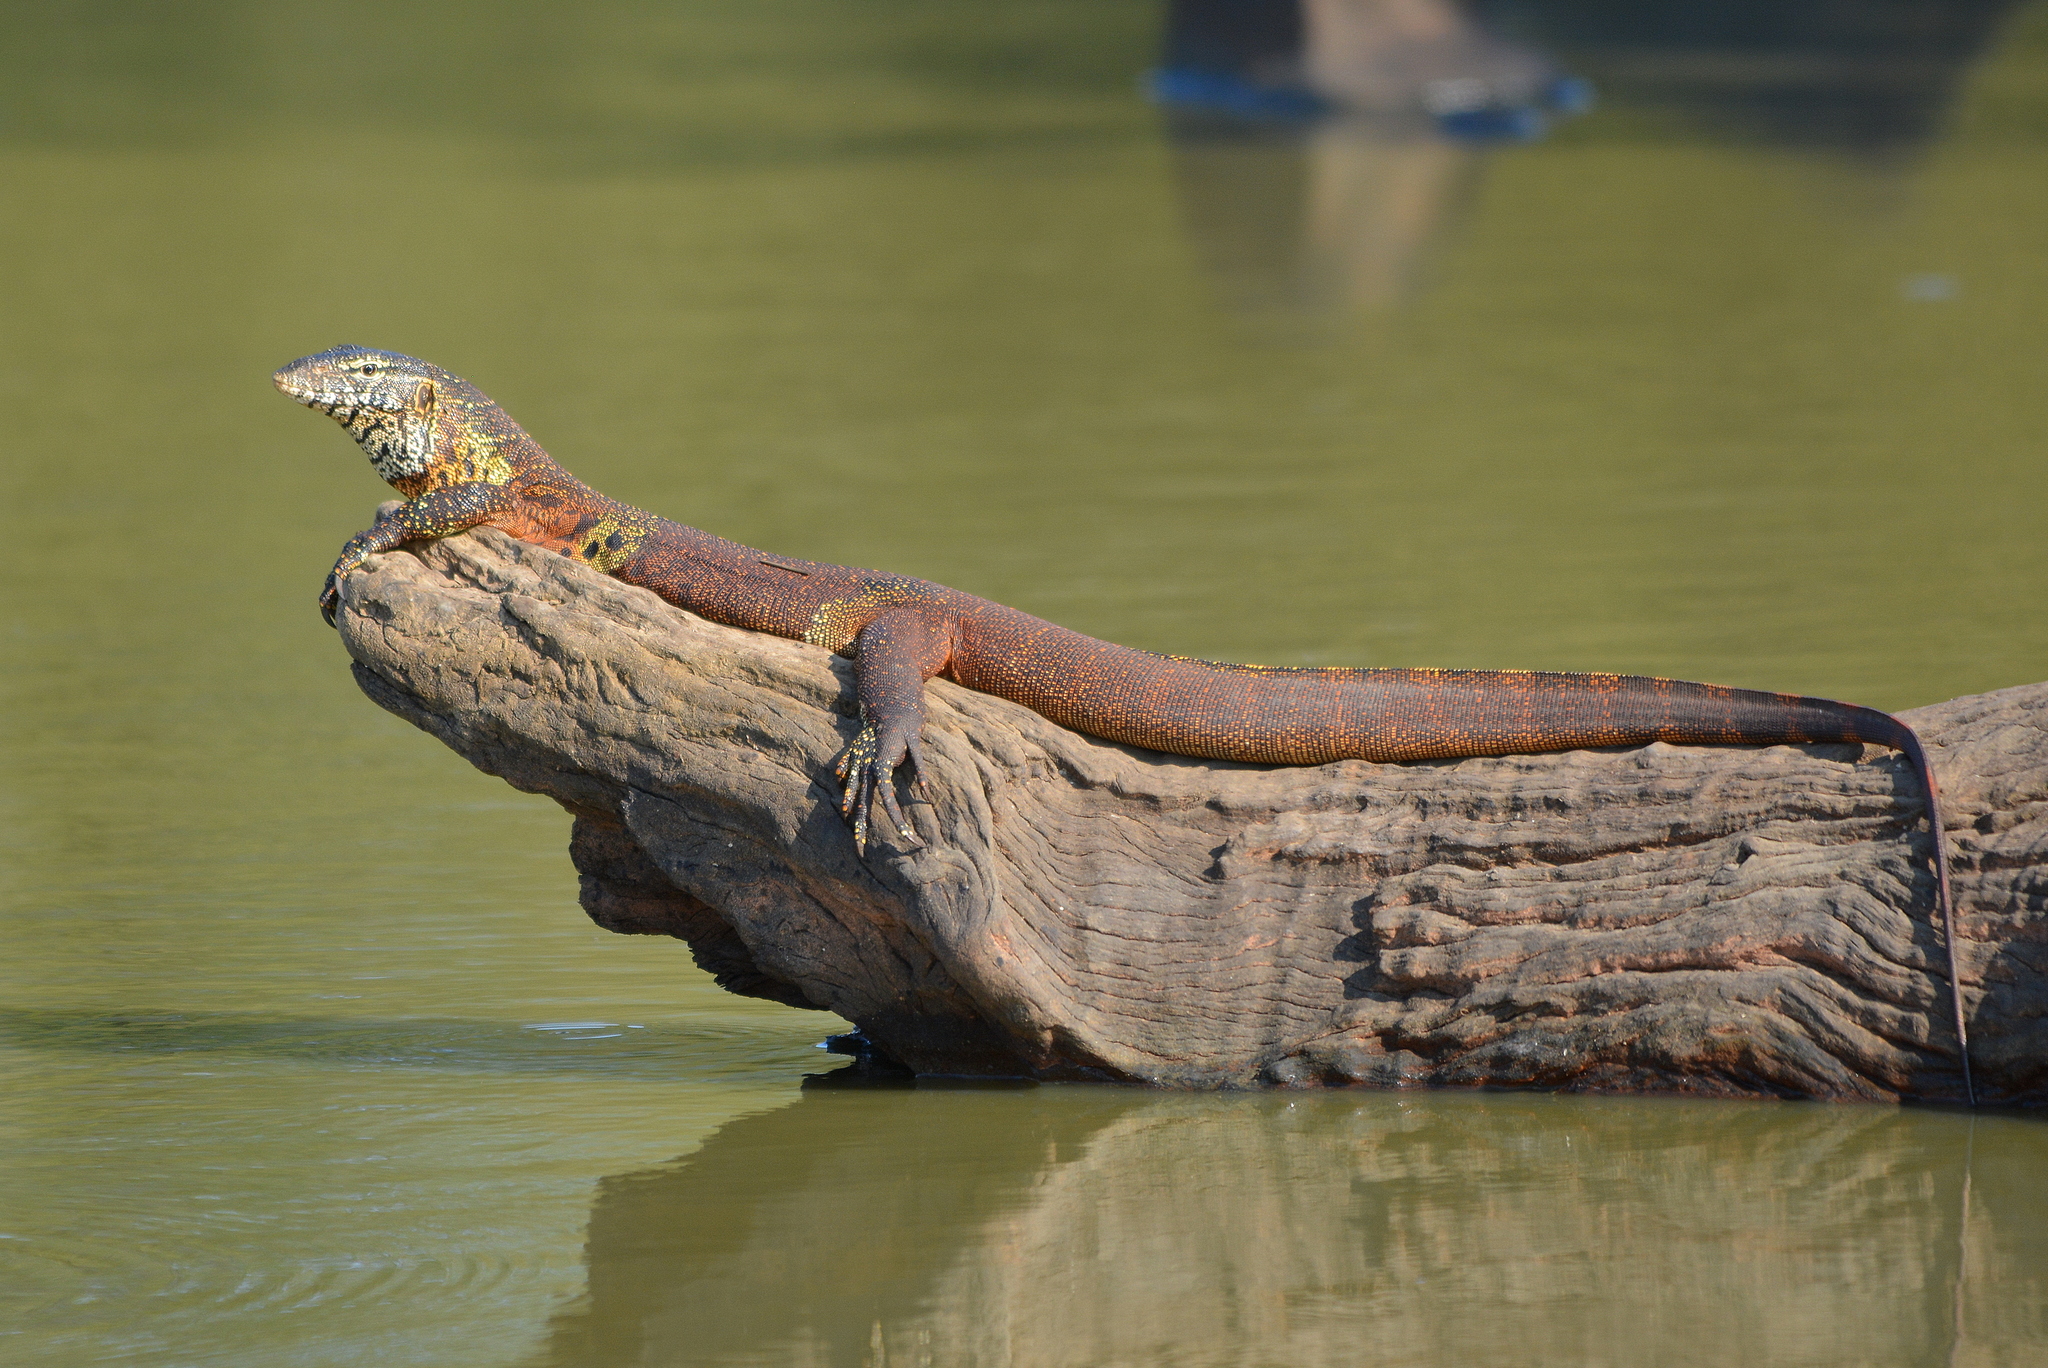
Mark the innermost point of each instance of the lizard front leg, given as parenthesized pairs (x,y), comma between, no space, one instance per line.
(893,657)
(442,513)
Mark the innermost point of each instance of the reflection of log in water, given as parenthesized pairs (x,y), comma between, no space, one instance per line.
(1067,1226)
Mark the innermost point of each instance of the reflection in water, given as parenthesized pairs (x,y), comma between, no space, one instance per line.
(1281,59)
(1324,145)
(1337,215)
(1077,1225)
(1875,77)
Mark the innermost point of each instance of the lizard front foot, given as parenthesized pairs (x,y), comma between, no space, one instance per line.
(867,771)
(352,556)
(330,598)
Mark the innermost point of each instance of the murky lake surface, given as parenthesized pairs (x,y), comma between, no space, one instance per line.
(308,1057)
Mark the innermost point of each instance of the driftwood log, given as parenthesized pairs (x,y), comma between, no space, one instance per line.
(1734,922)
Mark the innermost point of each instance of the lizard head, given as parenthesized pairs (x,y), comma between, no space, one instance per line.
(391,404)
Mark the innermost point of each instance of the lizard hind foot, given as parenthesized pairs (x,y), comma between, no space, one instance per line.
(866,771)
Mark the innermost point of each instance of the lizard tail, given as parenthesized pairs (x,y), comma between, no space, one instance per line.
(1906,741)
(1825,719)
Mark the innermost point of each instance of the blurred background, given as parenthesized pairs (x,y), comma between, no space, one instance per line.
(1667,337)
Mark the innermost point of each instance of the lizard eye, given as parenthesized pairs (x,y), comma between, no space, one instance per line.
(370,369)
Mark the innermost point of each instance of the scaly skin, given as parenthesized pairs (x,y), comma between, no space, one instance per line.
(460,461)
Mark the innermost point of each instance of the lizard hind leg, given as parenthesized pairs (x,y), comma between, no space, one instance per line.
(894,654)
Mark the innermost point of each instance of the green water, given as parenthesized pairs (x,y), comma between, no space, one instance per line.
(307,1055)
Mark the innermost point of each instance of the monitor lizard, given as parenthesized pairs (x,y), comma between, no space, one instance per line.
(460,461)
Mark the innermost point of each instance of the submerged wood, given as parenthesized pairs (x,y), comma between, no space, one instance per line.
(1719,921)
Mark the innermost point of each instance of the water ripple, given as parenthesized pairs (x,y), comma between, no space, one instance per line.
(55,1280)
(664,1051)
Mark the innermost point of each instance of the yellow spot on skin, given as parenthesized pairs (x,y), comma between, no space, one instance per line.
(494,469)
(835,624)
(828,625)
(630,532)
(477,460)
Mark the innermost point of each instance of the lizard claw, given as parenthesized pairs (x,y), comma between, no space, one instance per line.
(353,554)
(866,773)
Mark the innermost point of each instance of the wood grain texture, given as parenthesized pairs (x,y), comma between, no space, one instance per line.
(1685,919)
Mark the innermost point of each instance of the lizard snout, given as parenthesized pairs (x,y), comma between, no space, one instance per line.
(303,380)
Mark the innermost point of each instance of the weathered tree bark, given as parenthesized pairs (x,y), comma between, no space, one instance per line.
(1741,922)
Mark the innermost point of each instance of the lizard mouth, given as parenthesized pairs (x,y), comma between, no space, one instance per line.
(305,391)
(336,403)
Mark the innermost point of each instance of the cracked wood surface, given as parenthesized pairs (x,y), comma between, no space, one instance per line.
(1739,921)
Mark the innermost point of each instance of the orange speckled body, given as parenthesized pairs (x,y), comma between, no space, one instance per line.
(462,462)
